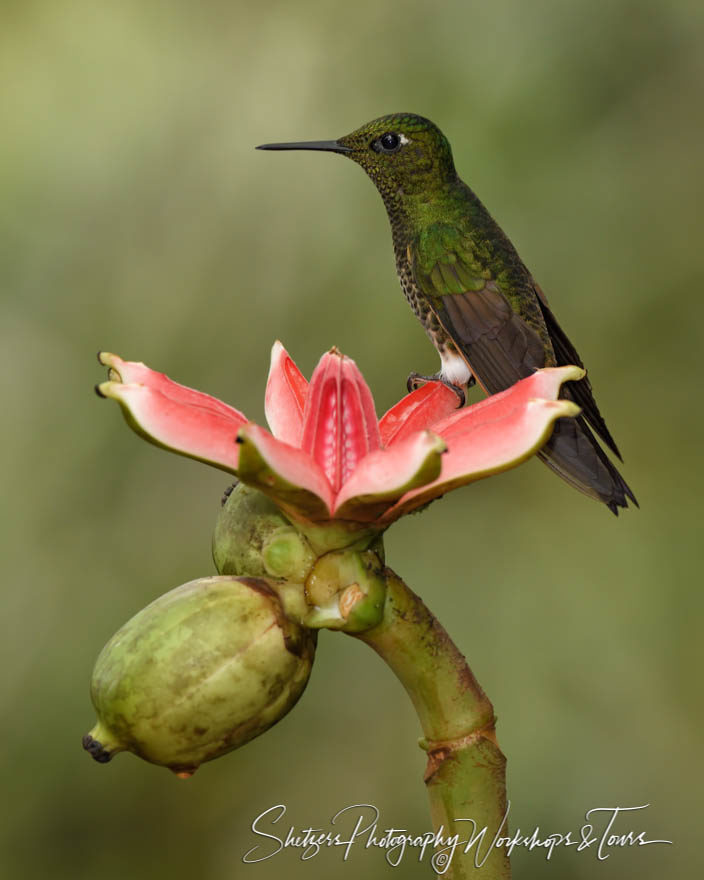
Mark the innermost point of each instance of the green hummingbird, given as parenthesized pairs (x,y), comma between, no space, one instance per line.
(485,314)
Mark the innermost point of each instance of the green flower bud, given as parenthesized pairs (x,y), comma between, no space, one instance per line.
(252,537)
(346,590)
(199,672)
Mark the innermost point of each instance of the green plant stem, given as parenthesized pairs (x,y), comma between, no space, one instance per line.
(466,771)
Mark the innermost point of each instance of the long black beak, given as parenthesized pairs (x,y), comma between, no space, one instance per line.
(328,146)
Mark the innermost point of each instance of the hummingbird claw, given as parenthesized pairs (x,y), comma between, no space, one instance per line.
(414,381)
(459,392)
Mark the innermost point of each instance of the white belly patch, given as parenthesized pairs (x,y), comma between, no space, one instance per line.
(454,369)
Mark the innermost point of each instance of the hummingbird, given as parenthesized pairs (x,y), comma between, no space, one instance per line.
(478,303)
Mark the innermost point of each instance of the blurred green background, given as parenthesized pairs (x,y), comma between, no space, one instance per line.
(135,216)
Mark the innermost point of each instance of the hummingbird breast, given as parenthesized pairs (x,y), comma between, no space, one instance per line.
(402,235)
(419,303)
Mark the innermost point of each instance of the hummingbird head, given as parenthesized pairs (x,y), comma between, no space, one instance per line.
(403,154)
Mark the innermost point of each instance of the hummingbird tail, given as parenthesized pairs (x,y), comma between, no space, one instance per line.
(574,453)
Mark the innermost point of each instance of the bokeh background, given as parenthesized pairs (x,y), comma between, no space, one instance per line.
(135,216)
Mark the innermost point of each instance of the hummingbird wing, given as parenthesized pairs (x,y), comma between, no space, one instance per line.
(581,392)
(501,340)
(504,339)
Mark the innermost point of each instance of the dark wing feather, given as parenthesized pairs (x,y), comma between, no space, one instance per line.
(574,453)
(580,392)
(498,345)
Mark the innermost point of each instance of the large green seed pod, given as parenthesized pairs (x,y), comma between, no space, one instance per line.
(199,672)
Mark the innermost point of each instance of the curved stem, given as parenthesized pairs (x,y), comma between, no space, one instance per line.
(466,771)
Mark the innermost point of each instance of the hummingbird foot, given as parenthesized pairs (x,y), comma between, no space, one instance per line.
(415,381)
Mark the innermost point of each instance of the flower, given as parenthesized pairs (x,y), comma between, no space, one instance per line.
(326,456)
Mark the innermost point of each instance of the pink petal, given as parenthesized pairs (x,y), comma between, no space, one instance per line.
(287,474)
(339,422)
(494,435)
(135,373)
(387,474)
(543,384)
(285,398)
(418,410)
(492,447)
(187,428)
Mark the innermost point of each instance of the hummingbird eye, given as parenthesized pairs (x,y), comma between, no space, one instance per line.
(387,143)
